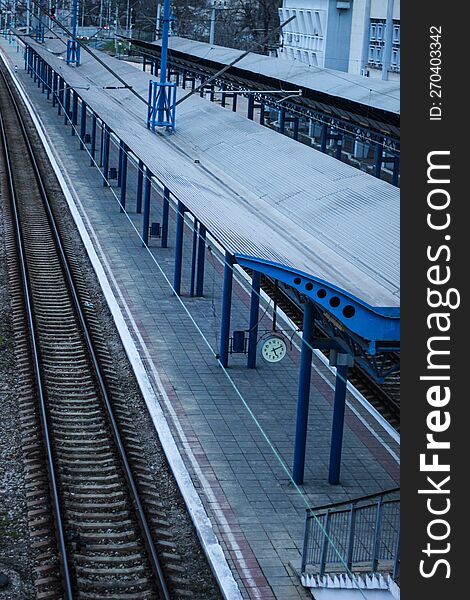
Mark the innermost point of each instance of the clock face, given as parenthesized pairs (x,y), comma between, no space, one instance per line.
(273,349)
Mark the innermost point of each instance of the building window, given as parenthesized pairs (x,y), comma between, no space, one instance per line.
(377,39)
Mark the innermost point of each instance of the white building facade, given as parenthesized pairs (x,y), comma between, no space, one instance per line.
(348,36)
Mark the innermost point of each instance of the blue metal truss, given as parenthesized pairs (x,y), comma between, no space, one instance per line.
(368,322)
(161,105)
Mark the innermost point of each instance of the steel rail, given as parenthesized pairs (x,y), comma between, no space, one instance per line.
(36,359)
(154,561)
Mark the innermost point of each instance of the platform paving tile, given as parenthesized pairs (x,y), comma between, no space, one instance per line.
(257,514)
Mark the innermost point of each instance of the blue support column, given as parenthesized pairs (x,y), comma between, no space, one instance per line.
(123,169)
(147,195)
(396,171)
(338,422)
(93,139)
(324,137)
(67,104)
(201,259)
(74,111)
(261,114)
(178,248)
(48,79)
(121,154)
(234,102)
(254,318)
(303,395)
(101,144)
(54,88)
(251,104)
(193,259)
(282,120)
(82,125)
(61,100)
(378,159)
(295,133)
(223,96)
(226,309)
(165,216)
(140,185)
(105,155)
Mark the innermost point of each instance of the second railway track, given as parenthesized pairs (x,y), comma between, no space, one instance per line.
(97,527)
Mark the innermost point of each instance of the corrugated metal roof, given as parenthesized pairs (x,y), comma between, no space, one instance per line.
(258,192)
(384,95)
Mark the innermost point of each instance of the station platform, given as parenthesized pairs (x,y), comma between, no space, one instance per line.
(234,428)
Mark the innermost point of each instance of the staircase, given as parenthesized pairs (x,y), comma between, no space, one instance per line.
(352,548)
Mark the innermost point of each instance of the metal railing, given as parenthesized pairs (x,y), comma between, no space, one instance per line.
(360,535)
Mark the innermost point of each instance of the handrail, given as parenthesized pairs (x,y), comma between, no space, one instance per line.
(353,500)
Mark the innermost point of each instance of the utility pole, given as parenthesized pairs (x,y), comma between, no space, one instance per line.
(212,32)
(28,8)
(101,14)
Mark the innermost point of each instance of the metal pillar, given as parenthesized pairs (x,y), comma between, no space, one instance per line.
(303,395)
(49,83)
(146,218)
(261,114)
(254,318)
(140,185)
(123,170)
(60,103)
(295,133)
(101,144)
(378,159)
(119,173)
(324,137)
(54,88)
(251,105)
(201,255)
(74,110)
(234,102)
(178,248)
(226,309)
(193,259)
(93,139)
(105,155)
(338,418)
(282,120)
(82,125)
(165,216)
(67,104)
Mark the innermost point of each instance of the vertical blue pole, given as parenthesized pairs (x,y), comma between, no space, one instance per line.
(261,114)
(93,139)
(223,96)
(324,137)
(54,88)
(296,128)
(146,218)
(254,317)
(193,259)
(178,248)
(60,103)
(378,159)
(396,170)
(123,177)
(338,423)
(105,155)
(121,153)
(82,125)
(165,216)
(67,103)
(251,102)
(163,62)
(101,144)
(140,182)
(282,120)
(226,309)
(303,395)
(234,102)
(201,256)
(74,111)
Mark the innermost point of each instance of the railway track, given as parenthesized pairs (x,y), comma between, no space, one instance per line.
(97,526)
